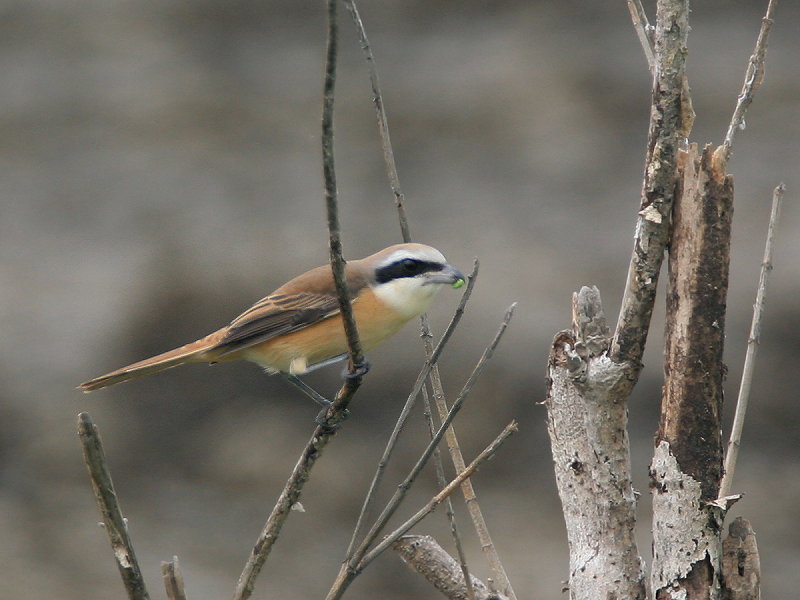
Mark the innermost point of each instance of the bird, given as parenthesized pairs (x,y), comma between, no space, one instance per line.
(298,328)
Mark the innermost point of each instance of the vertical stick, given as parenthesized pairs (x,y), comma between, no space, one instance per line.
(752,346)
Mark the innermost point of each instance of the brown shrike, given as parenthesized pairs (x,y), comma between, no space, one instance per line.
(298,328)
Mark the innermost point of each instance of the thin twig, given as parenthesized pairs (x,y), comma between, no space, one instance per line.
(394,182)
(337,412)
(406,411)
(329,172)
(644,31)
(471,500)
(440,497)
(113,521)
(752,81)
(451,515)
(347,573)
(173,579)
(383,123)
(752,346)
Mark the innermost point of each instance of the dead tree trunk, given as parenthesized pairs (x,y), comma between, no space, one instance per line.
(687,465)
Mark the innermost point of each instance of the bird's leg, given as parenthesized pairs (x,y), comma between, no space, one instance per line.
(308,391)
(316,397)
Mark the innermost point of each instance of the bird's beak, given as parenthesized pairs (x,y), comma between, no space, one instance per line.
(449,275)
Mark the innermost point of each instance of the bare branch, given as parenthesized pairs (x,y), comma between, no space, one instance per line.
(587,424)
(451,516)
(752,345)
(687,465)
(113,521)
(348,571)
(753,77)
(644,31)
(440,497)
(329,171)
(471,499)
(394,182)
(173,579)
(425,556)
(406,412)
(671,119)
(383,123)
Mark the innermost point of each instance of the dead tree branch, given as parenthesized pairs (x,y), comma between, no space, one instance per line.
(587,423)
(752,346)
(753,77)
(451,516)
(470,469)
(687,464)
(350,568)
(644,31)
(430,362)
(425,556)
(482,529)
(173,579)
(114,523)
(671,118)
(741,565)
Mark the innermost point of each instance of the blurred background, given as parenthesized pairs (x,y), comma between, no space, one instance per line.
(160,171)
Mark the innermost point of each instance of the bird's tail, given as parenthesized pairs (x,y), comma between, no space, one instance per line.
(199,351)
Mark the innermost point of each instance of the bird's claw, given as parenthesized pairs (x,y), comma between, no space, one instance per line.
(358,371)
(321,420)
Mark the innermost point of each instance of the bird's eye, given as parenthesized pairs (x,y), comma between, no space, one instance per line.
(410,265)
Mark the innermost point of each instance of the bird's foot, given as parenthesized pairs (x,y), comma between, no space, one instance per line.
(321,420)
(359,370)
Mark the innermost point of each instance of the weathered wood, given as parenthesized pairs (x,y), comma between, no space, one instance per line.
(741,565)
(115,524)
(423,554)
(587,423)
(687,466)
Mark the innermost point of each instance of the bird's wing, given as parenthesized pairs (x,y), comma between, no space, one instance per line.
(276,315)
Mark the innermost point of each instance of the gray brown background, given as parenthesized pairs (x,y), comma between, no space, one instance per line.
(160,170)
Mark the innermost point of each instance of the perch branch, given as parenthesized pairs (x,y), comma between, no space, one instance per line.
(753,77)
(106,497)
(425,556)
(337,412)
(752,346)
(173,579)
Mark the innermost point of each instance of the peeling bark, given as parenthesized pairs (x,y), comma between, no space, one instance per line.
(687,465)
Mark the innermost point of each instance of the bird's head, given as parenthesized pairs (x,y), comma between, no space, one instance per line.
(407,276)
